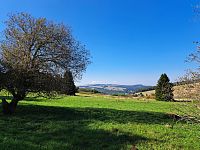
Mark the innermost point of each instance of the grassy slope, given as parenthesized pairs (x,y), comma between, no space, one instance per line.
(85,122)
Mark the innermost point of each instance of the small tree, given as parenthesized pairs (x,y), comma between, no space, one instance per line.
(164,90)
(70,88)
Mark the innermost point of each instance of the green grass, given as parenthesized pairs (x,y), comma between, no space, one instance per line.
(95,122)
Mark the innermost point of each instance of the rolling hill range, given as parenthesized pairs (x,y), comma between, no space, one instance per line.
(115,88)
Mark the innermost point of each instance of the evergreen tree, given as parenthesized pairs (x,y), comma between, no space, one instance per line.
(164,91)
(70,88)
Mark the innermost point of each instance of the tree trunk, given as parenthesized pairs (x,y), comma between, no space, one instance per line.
(9,108)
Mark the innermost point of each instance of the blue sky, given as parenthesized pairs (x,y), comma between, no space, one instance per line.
(131,41)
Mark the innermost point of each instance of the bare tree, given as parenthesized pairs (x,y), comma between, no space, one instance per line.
(188,88)
(189,85)
(35,54)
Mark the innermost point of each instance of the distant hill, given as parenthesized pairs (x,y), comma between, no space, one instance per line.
(115,88)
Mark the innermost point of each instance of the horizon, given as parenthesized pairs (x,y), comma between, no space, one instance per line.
(111,84)
(131,42)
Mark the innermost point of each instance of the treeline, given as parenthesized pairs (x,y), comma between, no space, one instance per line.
(86,90)
(145,89)
(186,82)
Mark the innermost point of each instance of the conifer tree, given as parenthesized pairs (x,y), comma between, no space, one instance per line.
(164,91)
(70,88)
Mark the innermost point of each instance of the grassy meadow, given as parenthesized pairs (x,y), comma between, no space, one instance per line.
(95,122)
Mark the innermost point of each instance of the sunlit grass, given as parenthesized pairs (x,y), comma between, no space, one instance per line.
(95,122)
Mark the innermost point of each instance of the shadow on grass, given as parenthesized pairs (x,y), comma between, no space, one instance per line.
(99,114)
(46,127)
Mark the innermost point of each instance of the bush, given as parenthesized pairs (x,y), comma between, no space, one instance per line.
(150,96)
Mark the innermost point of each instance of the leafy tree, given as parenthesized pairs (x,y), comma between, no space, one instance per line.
(70,88)
(164,90)
(34,55)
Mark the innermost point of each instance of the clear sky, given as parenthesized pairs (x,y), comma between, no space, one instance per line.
(131,41)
